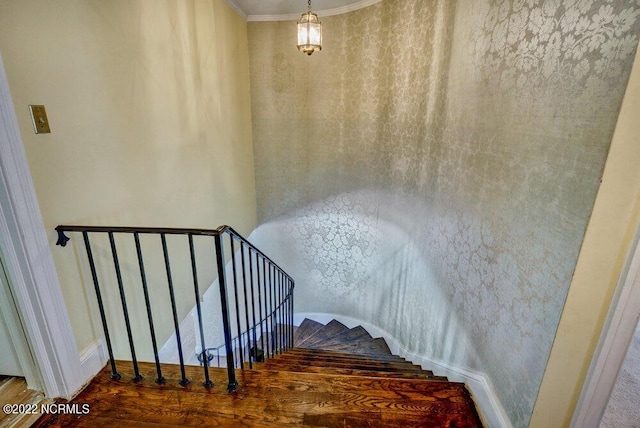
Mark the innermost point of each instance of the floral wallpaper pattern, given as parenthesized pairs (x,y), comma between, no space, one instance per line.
(542,40)
(433,169)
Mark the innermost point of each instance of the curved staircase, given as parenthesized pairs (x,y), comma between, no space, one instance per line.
(314,375)
(334,376)
(353,380)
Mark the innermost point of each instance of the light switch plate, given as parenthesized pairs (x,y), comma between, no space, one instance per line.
(39,119)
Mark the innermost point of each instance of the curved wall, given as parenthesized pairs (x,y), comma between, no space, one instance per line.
(433,169)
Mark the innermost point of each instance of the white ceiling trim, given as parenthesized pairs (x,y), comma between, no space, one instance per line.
(295,16)
(235,6)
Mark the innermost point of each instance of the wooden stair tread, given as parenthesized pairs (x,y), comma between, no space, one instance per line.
(306,328)
(321,353)
(335,377)
(374,346)
(325,332)
(390,367)
(353,334)
(305,368)
(318,360)
(273,399)
(217,374)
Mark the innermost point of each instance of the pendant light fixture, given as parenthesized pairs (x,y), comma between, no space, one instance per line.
(309,32)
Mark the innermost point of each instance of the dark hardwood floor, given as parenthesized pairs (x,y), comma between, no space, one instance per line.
(269,398)
(305,386)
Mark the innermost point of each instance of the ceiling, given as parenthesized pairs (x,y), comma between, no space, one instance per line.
(281,10)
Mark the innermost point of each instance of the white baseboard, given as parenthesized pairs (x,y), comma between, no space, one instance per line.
(489,406)
(93,358)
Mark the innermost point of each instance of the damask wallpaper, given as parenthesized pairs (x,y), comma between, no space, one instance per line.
(432,170)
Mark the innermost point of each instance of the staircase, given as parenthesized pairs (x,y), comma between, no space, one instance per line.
(376,387)
(334,376)
(271,374)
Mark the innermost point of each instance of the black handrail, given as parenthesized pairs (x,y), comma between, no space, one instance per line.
(270,282)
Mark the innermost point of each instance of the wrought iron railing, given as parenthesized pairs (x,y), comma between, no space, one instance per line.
(261,298)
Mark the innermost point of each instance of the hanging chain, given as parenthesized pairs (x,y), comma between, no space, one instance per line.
(309,5)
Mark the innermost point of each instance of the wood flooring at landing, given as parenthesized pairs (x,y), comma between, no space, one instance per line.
(334,376)
(269,398)
(15,393)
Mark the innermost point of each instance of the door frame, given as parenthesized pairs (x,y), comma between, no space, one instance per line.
(17,340)
(32,277)
(612,347)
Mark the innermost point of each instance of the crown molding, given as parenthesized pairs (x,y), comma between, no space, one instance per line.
(295,16)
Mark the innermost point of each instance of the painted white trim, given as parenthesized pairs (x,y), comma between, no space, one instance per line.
(29,263)
(93,358)
(489,406)
(295,16)
(11,318)
(617,333)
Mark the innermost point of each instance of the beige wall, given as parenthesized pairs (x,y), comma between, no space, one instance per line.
(615,218)
(150,118)
(439,181)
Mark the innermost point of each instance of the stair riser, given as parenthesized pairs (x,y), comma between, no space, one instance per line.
(353,335)
(346,357)
(307,328)
(331,329)
(348,372)
(283,364)
(319,360)
(322,352)
(370,349)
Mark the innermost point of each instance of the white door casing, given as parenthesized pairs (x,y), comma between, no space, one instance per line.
(612,348)
(11,360)
(29,266)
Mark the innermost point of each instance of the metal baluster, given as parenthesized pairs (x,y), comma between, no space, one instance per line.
(125,311)
(235,354)
(269,303)
(283,326)
(285,311)
(253,349)
(275,309)
(273,304)
(291,302)
(289,312)
(266,300)
(143,277)
(235,293)
(205,358)
(222,280)
(271,308)
(283,306)
(114,372)
(246,303)
(176,324)
(278,308)
(260,301)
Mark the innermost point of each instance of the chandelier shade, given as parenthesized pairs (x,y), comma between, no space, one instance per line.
(309,32)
